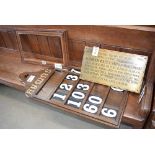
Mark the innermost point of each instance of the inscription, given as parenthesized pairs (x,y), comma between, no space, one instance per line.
(113,68)
(38,82)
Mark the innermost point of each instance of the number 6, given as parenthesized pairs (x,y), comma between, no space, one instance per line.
(109,112)
(90,108)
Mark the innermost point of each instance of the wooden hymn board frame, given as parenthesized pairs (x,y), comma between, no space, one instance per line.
(65,90)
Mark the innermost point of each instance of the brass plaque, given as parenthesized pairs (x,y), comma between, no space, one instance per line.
(112,68)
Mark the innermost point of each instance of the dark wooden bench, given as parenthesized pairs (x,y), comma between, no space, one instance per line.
(36,56)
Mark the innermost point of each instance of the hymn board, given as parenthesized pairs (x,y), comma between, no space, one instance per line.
(90,93)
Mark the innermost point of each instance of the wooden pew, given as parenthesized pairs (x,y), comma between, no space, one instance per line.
(132,39)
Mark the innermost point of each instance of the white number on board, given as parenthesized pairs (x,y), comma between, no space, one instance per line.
(78,95)
(62,97)
(90,108)
(72,77)
(95,99)
(75,71)
(109,112)
(74,103)
(82,86)
(66,86)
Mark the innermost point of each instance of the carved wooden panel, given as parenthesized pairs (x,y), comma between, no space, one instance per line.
(43,47)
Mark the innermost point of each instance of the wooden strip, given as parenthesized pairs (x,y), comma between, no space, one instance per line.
(43,44)
(98,94)
(70,82)
(2,43)
(68,93)
(24,42)
(7,40)
(13,39)
(33,41)
(106,92)
(87,95)
(116,101)
(51,86)
(39,83)
(55,47)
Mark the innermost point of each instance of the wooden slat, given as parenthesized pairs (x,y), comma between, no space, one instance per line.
(34,43)
(55,47)
(65,81)
(106,92)
(98,91)
(13,39)
(51,86)
(7,40)
(67,93)
(44,46)
(2,43)
(39,86)
(115,101)
(87,94)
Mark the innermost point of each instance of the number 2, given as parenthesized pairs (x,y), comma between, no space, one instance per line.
(66,86)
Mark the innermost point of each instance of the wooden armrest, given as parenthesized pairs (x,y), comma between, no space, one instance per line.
(147,100)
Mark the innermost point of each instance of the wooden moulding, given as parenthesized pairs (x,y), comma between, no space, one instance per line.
(41,51)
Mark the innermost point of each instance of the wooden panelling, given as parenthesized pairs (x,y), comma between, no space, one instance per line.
(43,46)
(55,47)
(76,49)
(2,43)
(8,39)
(30,43)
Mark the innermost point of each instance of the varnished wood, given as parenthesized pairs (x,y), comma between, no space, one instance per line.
(46,94)
(36,46)
(150,123)
(132,39)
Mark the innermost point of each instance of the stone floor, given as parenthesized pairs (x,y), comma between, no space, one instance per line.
(19,112)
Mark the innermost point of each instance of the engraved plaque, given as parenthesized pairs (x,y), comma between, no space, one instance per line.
(112,68)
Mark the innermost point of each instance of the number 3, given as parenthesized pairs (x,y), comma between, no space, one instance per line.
(83,86)
(109,112)
(72,77)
